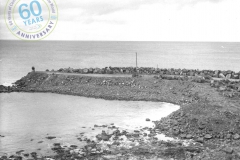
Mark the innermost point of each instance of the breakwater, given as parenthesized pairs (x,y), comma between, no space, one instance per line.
(154,71)
(209,113)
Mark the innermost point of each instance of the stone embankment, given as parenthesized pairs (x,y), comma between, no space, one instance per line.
(209,114)
(154,71)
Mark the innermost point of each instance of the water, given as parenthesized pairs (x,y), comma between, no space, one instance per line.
(17,57)
(27,118)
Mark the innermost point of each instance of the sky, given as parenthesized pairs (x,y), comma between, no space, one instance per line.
(143,20)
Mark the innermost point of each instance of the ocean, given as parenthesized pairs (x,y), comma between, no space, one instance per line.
(17,57)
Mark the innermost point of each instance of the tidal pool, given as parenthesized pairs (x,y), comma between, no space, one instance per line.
(26,119)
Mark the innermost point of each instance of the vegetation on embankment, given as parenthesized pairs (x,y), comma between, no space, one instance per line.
(209,111)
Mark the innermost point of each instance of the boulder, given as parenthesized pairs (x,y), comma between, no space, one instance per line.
(192,74)
(236,137)
(189,136)
(222,88)
(229,136)
(105,137)
(235,76)
(90,70)
(221,75)
(201,125)
(176,131)
(109,71)
(99,137)
(208,136)
(75,70)
(50,137)
(152,134)
(227,150)
(85,70)
(228,76)
(229,72)
(200,140)
(183,136)
(97,70)
(216,72)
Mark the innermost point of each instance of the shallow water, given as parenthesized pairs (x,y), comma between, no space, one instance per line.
(27,118)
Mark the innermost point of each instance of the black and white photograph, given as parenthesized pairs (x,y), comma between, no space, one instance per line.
(120,80)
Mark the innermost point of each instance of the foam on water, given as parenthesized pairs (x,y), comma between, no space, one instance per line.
(7,83)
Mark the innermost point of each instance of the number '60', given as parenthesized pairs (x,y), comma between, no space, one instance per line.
(28,14)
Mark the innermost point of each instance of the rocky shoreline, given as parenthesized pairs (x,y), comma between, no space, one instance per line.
(209,116)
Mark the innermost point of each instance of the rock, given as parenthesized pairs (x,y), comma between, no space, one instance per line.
(50,137)
(227,150)
(236,137)
(73,146)
(189,136)
(183,136)
(85,70)
(105,137)
(90,70)
(26,155)
(152,134)
(201,125)
(208,136)
(174,122)
(56,144)
(147,119)
(34,154)
(235,76)
(222,88)
(228,76)
(229,136)
(19,152)
(135,135)
(176,132)
(3,157)
(200,140)
(192,74)
(97,70)
(221,75)
(99,137)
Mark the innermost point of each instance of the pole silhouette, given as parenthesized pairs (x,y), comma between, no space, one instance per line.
(136,61)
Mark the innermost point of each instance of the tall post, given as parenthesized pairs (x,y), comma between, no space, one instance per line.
(136,60)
